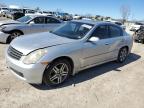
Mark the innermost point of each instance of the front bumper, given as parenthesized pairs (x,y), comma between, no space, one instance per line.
(30,73)
(3,37)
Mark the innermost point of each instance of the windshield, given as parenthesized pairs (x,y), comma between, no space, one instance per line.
(24,19)
(73,30)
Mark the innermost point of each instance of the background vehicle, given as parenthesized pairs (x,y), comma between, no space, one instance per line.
(76,45)
(29,12)
(26,25)
(14,13)
(139,35)
(47,13)
(77,17)
(3,11)
(63,16)
(136,26)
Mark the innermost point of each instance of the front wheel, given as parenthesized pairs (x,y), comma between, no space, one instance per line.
(123,53)
(57,72)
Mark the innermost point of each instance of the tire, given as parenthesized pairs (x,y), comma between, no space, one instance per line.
(143,41)
(13,35)
(123,53)
(54,76)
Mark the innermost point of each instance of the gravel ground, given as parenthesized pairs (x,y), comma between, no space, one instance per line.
(111,85)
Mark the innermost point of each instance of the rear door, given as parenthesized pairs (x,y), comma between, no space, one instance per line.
(116,40)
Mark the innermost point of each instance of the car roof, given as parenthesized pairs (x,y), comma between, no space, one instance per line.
(94,22)
(34,16)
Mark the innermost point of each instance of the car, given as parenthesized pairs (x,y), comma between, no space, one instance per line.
(136,26)
(63,16)
(26,25)
(139,35)
(12,11)
(51,57)
(47,13)
(29,12)
(77,17)
(3,11)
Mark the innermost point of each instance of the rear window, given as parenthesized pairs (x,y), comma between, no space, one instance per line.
(115,31)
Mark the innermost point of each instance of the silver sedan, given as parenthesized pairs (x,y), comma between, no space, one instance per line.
(26,25)
(51,57)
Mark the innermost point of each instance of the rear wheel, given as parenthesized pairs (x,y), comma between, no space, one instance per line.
(123,53)
(57,72)
(13,35)
(143,41)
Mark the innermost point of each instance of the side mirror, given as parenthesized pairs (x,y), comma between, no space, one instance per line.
(94,39)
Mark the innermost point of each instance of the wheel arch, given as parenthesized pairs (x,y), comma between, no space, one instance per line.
(66,58)
(8,38)
(16,30)
(127,47)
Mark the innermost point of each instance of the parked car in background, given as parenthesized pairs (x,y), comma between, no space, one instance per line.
(139,35)
(136,26)
(63,16)
(47,13)
(3,11)
(51,57)
(29,12)
(26,25)
(12,13)
(77,17)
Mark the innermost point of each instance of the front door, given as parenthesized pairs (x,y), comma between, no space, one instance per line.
(94,53)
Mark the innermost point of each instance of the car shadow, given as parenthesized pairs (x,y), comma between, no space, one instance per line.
(92,73)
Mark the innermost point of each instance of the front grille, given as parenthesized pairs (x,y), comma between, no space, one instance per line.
(14,53)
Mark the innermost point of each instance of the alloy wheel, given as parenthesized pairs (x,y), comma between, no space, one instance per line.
(123,54)
(14,35)
(59,73)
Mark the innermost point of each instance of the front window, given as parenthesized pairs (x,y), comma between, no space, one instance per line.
(101,32)
(4,8)
(73,30)
(24,19)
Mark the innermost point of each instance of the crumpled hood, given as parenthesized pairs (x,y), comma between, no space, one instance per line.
(7,22)
(29,43)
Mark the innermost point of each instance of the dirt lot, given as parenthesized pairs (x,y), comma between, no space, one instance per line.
(110,85)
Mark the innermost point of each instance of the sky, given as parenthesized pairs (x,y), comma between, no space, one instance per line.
(94,7)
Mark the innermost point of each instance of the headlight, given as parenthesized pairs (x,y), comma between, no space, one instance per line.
(33,57)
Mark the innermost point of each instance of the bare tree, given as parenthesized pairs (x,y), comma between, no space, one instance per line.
(125,12)
(37,8)
(58,10)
